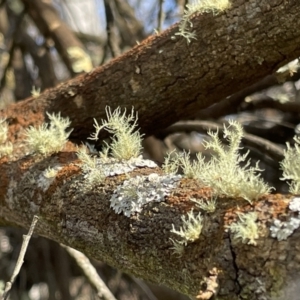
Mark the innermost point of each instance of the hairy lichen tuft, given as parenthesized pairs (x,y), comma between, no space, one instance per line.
(6,148)
(224,173)
(291,166)
(200,6)
(246,228)
(48,138)
(189,232)
(127,141)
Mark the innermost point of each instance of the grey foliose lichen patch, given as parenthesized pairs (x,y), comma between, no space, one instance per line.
(295,204)
(112,166)
(135,192)
(282,230)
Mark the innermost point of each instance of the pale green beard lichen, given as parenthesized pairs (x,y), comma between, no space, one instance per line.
(200,6)
(223,172)
(189,232)
(6,148)
(121,156)
(291,166)
(35,92)
(246,228)
(48,138)
(82,61)
(208,205)
(127,141)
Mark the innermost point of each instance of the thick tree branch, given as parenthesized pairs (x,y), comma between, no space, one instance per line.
(166,79)
(81,218)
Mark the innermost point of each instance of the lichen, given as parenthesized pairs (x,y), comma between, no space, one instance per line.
(134,193)
(126,141)
(200,6)
(291,166)
(6,148)
(188,232)
(246,228)
(48,138)
(224,173)
(282,230)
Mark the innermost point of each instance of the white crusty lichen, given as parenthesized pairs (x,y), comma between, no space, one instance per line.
(291,166)
(129,197)
(6,148)
(48,138)
(295,205)
(189,231)
(246,228)
(199,6)
(281,230)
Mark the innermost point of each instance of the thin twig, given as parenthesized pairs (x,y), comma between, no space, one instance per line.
(91,274)
(20,260)
(160,17)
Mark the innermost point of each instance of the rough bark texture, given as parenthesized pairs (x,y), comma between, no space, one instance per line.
(215,264)
(166,80)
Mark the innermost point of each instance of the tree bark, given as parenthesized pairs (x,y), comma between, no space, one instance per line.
(165,80)
(215,264)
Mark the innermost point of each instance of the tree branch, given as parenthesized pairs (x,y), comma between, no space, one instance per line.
(141,245)
(166,80)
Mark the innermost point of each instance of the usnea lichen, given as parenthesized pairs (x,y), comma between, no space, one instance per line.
(224,173)
(200,6)
(119,157)
(189,231)
(48,138)
(6,148)
(208,205)
(246,228)
(35,92)
(291,166)
(126,141)
(81,60)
